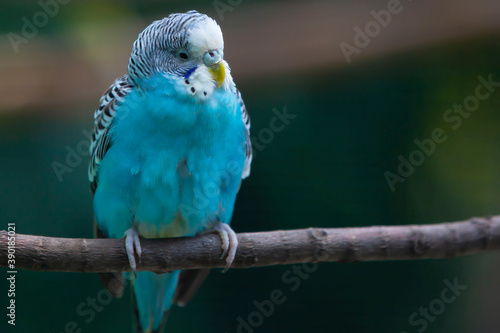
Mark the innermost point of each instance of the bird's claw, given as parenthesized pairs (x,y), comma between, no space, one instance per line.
(133,246)
(229,243)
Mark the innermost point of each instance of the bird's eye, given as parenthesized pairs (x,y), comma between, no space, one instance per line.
(183,55)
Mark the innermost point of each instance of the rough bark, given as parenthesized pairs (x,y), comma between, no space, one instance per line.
(436,241)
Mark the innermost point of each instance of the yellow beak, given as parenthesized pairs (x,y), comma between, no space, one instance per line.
(218,73)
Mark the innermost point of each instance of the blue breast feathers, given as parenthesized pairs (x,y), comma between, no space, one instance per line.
(175,164)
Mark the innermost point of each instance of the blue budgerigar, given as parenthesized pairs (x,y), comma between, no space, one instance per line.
(170,147)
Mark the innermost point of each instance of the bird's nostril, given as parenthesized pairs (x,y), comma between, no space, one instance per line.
(211,57)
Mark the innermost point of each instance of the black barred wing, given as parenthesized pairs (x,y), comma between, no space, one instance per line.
(103,118)
(248,144)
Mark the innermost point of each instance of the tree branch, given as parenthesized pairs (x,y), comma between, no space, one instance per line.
(437,241)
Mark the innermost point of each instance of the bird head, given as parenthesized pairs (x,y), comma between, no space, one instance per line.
(179,45)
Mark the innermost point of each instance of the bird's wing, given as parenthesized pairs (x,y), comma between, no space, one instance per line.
(248,143)
(103,118)
(99,145)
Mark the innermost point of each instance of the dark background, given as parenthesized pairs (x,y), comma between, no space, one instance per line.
(324,169)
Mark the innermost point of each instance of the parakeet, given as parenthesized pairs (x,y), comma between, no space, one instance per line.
(169,149)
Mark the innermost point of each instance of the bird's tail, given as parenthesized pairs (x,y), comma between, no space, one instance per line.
(152,295)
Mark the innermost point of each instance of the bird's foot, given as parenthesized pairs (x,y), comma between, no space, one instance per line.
(133,246)
(229,243)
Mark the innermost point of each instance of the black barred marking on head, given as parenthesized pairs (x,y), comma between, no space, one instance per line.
(155,49)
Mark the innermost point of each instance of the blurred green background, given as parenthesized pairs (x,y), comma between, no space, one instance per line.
(325,169)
